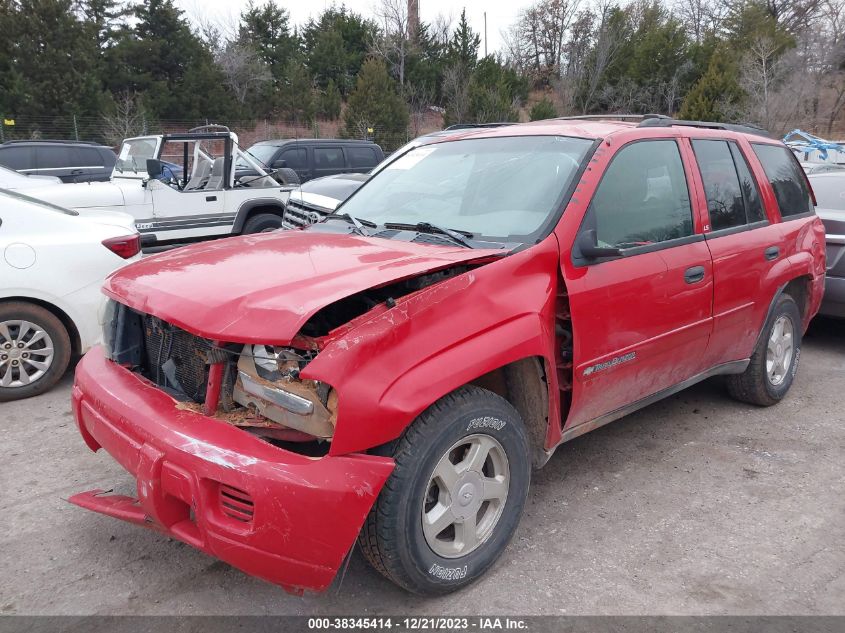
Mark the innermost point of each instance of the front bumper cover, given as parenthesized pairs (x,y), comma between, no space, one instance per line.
(277,515)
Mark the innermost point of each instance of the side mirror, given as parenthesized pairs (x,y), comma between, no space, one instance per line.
(279,164)
(154,168)
(588,244)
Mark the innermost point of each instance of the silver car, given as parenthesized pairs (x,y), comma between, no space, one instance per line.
(829,188)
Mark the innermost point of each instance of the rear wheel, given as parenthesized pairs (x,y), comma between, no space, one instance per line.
(775,360)
(262,223)
(455,497)
(34,350)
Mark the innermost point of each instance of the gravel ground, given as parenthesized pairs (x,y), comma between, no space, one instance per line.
(695,505)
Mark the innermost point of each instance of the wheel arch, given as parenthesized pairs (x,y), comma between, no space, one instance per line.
(253,207)
(61,315)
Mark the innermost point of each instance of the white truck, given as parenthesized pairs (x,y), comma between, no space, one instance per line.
(183,187)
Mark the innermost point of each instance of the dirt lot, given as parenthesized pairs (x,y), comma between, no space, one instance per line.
(695,505)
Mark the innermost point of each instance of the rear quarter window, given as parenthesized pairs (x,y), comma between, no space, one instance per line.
(787,178)
(361,157)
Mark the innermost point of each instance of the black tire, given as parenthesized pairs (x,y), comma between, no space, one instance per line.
(392,538)
(61,346)
(755,385)
(262,222)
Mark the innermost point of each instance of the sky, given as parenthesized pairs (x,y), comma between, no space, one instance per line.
(500,14)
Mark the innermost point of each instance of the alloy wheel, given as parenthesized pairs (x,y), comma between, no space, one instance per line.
(26,353)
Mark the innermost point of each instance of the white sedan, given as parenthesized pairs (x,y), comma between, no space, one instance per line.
(52,265)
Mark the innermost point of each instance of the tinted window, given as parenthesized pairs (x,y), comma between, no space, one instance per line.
(17,157)
(53,157)
(296,158)
(721,184)
(87,157)
(328,158)
(643,197)
(361,157)
(784,172)
(753,205)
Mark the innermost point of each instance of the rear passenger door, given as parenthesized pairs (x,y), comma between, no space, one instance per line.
(744,243)
(642,319)
(19,158)
(328,160)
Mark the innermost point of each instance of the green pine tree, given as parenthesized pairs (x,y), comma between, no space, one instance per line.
(716,95)
(543,109)
(330,101)
(375,105)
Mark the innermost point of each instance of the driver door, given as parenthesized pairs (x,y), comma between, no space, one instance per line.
(641,319)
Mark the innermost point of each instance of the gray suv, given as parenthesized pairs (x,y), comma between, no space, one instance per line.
(71,161)
(829,188)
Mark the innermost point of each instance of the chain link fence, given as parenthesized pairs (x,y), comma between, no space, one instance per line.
(111,132)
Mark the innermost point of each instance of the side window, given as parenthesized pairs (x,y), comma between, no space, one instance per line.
(753,205)
(56,157)
(296,158)
(643,197)
(17,157)
(721,184)
(787,178)
(361,157)
(328,158)
(87,157)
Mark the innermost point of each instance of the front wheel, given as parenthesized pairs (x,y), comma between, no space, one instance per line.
(455,497)
(775,359)
(262,223)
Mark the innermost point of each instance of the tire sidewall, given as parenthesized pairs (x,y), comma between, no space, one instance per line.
(61,349)
(261,222)
(435,573)
(786,306)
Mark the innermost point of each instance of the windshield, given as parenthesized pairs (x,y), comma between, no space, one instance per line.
(133,155)
(262,153)
(504,188)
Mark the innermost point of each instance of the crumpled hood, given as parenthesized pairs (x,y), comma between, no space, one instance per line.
(263,288)
(80,195)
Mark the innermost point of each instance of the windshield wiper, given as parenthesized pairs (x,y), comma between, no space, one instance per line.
(428,227)
(359,224)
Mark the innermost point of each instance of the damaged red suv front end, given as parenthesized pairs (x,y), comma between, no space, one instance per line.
(284,517)
(210,472)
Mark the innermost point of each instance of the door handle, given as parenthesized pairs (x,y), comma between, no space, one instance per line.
(694,275)
(76,172)
(211,198)
(771,253)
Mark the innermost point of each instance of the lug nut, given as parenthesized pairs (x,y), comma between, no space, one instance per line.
(25,355)
(4,357)
(20,345)
(14,362)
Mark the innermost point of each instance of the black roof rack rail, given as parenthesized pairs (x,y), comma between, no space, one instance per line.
(611,117)
(745,128)
(51,140)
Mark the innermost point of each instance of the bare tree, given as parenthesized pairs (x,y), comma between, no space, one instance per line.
(536,40)
(394,44)
(243,69)
(419,98)
(456,92)
(608,42)
(126,119)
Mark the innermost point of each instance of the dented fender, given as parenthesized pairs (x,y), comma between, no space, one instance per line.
(401,360)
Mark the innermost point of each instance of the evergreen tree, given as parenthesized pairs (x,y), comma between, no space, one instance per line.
(375,105)
(330,101)
(335,46)
(463,47)
(543,109)
(716,95)
(46,57)
(296,96)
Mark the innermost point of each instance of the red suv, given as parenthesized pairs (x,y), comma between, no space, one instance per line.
(394,373)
